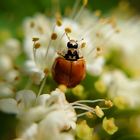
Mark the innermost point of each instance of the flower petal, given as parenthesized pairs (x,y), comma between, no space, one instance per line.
(42,99)
(8,105)
(25,98)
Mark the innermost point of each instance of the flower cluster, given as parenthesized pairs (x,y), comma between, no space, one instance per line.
(43,115)
(109,46)
(9,74)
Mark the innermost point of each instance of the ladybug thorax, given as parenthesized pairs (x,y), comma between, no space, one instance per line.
(72,50)
(72,54)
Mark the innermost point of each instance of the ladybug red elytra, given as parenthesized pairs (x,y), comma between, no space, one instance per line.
(69,68)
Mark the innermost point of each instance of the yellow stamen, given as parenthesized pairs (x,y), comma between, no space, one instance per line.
(37,45)
(100,86)
(63,88)
(83,131)
(98,13)
(35,39)
(85,2)
(16,78)
(99,34)
(78,91)
(117,30)
(54,36)
(99,112)
(46,71)
(40,29)
(16,67)
(112,22)
(108,103)
(68,30)
(32,24)
(83,45)
(58,22)
(102,20)
(120,102)
(98,49)
(89,115)
(109,125)
(58,15)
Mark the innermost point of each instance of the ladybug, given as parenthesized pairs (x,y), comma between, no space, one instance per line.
(69,67)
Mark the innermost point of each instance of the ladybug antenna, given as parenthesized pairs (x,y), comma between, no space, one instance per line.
(77,41)
(80,40)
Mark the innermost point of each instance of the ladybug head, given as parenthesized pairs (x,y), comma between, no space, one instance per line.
(72,44)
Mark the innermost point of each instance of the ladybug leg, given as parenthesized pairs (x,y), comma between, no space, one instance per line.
(60,53)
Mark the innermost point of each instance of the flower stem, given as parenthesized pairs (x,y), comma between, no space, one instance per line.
(42,86)
(89,101)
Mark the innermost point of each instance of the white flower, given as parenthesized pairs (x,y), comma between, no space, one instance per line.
(38,27)
(5,63)
(127,41)
(125,88)
(109,125)
(7,72)
(35,73)
(12,47)
(9,51)
(54,123)
(9,75)
(6,90)
(97,66)
(42,116)
(8,105)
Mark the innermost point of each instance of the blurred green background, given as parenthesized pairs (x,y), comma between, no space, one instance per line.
(12,12)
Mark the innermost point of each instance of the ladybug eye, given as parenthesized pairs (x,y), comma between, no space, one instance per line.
(69,45)
(75,46)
